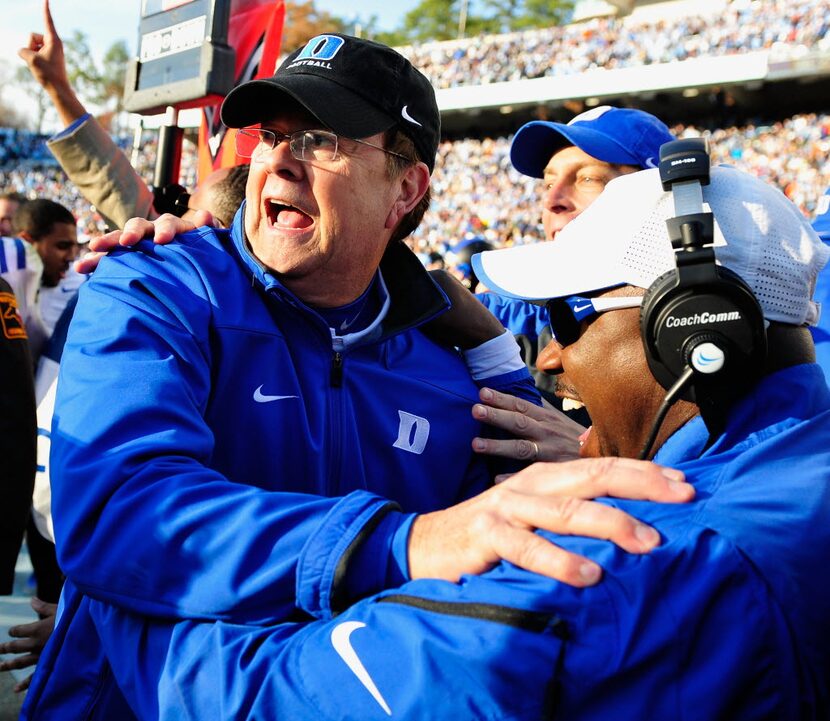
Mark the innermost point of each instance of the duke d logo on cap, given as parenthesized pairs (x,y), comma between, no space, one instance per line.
(320,49)
(354,87)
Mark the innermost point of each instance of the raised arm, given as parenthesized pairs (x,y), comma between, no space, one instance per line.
(85,150)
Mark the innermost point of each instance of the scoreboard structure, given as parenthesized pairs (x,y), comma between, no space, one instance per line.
(183,57)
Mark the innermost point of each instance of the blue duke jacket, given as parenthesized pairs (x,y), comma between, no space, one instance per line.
(727,619)
(217,454)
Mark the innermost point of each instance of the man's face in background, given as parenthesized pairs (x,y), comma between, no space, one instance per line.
(8,207)
(57,249)
(572,181)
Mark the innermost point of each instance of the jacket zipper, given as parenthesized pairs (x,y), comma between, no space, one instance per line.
(336,402)
(336,372)
(532,621)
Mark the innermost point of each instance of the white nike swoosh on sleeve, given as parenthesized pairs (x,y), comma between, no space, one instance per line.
(343,645)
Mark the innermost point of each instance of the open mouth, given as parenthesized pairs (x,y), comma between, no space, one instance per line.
(571,404)
(569,396)
(281,215)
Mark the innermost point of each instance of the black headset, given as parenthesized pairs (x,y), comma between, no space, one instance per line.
(702,327)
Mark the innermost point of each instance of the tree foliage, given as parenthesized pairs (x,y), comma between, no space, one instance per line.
(25,80)
(101,84)
(113,71)
(432,20)
(442,19)
(544,13)
(500,16)
(10,116)
(303,21)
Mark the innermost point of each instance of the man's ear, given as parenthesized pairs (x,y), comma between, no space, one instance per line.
(413,183)
(25,235)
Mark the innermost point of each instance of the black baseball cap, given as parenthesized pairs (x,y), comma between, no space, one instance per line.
(355,87)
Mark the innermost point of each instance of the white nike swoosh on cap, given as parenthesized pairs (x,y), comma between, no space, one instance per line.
(260,397)
(581,308)
(343,645)
(407,116)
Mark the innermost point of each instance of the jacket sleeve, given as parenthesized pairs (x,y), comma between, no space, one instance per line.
(103,173)
(18,429)
(650,641)
(141,519)
(520,317)
(497,364)
(530,325)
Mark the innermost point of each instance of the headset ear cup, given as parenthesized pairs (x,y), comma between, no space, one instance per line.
(653,301)
(680,313)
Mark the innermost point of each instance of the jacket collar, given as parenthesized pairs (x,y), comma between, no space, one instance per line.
(785,397)
(415,297)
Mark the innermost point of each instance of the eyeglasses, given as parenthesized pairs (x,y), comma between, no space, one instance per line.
(566,314)
(305,145)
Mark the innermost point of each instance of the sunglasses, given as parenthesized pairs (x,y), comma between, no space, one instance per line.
(567,314)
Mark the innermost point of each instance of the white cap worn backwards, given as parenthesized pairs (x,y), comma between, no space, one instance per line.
(621,239)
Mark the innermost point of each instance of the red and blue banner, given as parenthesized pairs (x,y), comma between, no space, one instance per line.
(255,33)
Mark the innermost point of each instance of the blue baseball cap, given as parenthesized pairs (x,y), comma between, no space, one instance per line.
(622,136)
(821,223)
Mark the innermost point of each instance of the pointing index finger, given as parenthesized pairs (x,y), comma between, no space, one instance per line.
(51,32)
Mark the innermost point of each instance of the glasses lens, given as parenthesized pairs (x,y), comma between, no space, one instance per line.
(314,145)
(563,325)
(248,141)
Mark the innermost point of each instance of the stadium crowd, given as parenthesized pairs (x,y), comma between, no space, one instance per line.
(736,27)
(28,167)
(478,192)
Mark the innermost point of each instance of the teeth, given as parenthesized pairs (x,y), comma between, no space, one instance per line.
(569,404)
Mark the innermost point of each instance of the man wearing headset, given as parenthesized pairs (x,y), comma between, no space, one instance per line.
(726,619)
(575,161)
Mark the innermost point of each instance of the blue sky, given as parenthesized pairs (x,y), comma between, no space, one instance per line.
(105,21)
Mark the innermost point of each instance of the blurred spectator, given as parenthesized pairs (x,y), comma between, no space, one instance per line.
(18,433)
(459,261)
(51,228)
(435,261)
(9,203)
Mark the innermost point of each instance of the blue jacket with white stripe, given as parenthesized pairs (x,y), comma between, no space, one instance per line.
(217,454)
